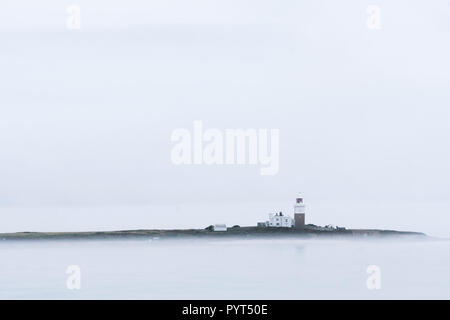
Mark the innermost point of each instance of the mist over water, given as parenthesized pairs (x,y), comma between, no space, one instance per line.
(407,216)
(226,269)
(86,118)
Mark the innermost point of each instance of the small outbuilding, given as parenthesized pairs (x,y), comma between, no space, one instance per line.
(220,227)
(261,224)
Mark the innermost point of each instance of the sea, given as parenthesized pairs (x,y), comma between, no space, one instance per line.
(390,268)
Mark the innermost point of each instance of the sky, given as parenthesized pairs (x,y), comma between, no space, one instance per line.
(86,116)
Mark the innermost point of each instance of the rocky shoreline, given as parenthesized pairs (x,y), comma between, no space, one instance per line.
(310,231)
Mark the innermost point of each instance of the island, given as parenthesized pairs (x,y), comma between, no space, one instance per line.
(278,226)
(309,231)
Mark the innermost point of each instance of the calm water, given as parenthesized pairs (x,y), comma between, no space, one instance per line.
(257,269)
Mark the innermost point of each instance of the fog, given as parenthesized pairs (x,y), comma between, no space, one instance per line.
(86,115)
(250,269)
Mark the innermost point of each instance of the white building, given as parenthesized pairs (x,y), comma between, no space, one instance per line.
(220,227)
(280,220)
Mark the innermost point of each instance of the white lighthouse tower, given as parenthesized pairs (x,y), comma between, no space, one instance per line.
(299,213)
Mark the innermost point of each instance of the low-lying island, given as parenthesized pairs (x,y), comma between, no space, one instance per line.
(309,231)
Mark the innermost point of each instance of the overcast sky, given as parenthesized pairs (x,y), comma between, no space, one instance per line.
(86,115)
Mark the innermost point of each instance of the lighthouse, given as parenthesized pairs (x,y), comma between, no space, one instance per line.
(299,213)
